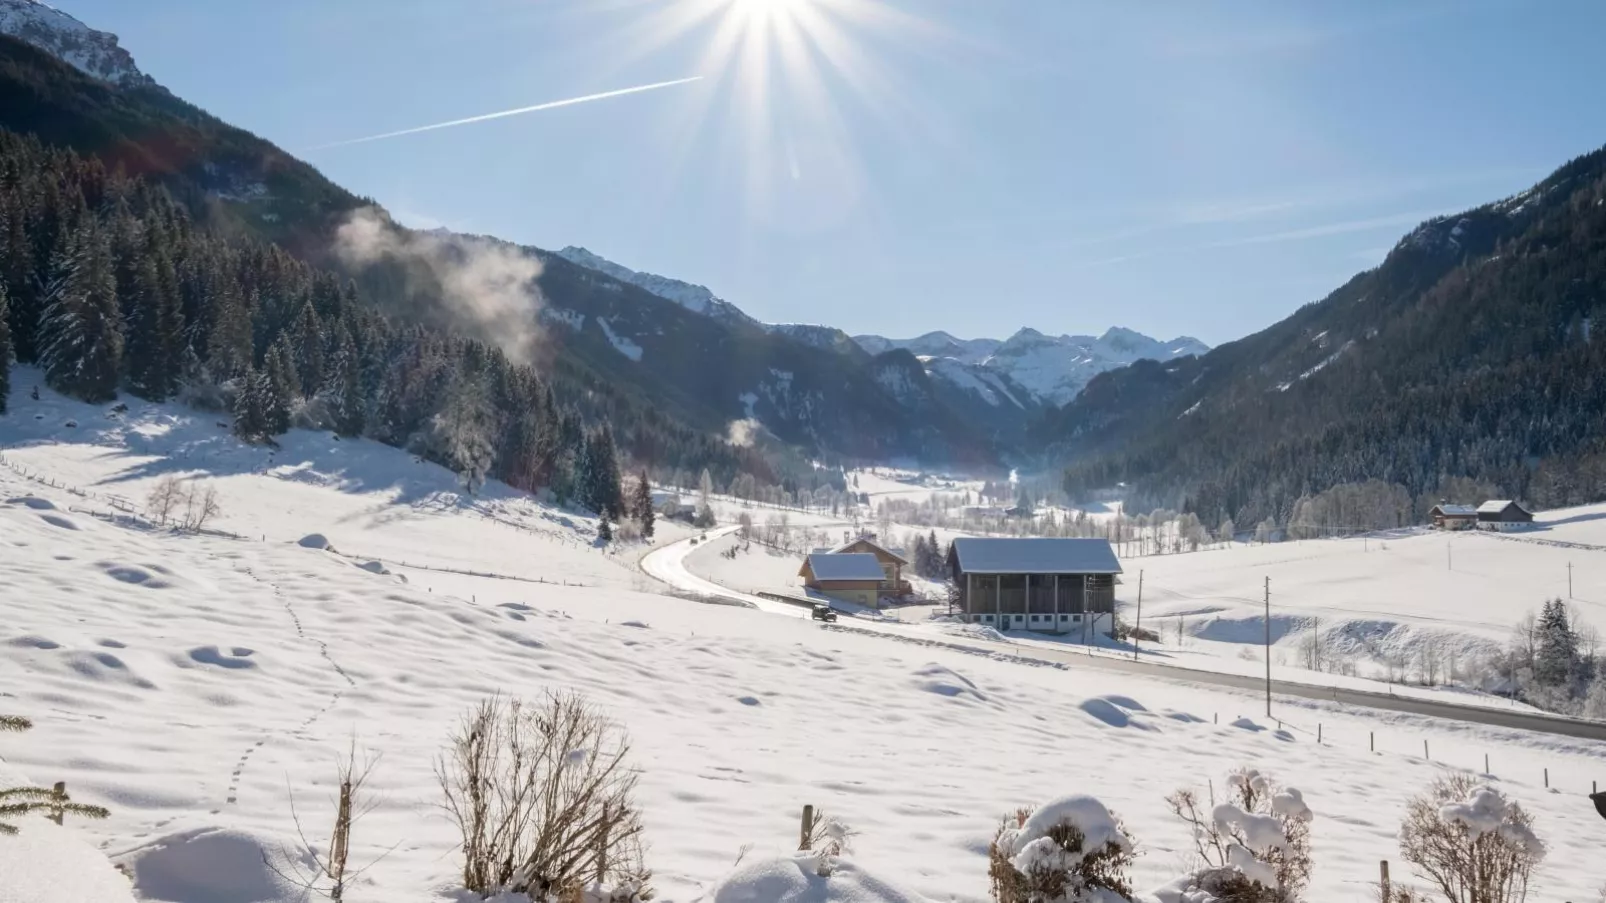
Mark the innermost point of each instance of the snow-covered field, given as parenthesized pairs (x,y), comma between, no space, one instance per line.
(194,684)
(1451,595)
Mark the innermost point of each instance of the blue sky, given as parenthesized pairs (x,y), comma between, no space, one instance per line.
(896,166)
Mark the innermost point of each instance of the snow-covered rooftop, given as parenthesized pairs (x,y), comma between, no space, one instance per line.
(1036,556)
(1495,506)
(1458,510)
(849,566)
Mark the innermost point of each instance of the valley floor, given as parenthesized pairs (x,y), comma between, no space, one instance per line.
(194,685)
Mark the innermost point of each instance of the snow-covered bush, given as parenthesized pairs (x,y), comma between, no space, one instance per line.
(1071,850)
(1471,842)
(1254,847)
(543,797)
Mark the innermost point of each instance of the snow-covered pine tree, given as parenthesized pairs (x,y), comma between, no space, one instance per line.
(7,352)
(250,413)
(155,353)
(604,530)
(1556,661)
(228,343)
(351,403)
(282,387)
(309,351)
(642,504)
(82,330)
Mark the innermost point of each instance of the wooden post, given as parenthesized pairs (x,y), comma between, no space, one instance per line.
(1268,647)
(1371,740)
(1318,733)
(1547,779)
(1425,749)
(1139,625)
(59,796)
(1383,879)
(1485,763)
(808,828)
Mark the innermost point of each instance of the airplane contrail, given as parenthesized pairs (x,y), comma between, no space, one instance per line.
(518,112)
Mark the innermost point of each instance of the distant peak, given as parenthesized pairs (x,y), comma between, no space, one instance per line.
(95,53)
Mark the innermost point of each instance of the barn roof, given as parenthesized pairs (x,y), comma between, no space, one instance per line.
(849,566)
(1036,556)
(1456,510)
(1494,506)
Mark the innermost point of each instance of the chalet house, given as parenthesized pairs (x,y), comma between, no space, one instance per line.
(1502,514)
(1046,585)
(1454,517)
(854,577)
(892,564)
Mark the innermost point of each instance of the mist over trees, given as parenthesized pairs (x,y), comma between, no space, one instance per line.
(109,284)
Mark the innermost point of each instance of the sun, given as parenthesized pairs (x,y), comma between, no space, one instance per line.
(785,80)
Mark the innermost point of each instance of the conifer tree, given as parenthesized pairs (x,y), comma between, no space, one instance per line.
(82,332)
(643,505)
(155,354)
(351,405)
(281,387)
(250,412)
(309,351)
(7,352)
(1556,661)
(604,531)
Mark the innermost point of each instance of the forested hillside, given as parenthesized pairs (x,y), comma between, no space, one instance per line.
(1474,351)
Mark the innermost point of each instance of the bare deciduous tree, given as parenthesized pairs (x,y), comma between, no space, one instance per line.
(543,798)
(1470,841)
(164,499)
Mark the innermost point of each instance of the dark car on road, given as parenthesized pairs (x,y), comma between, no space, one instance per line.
(823,613)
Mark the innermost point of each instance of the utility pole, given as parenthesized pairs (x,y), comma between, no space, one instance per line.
(1569,579)
(1268,647)
(1139,625)
(1448,564)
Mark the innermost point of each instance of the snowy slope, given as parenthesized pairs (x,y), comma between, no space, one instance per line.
(194,684)
(695,298)
(53,31)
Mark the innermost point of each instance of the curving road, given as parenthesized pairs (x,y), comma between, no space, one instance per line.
(668,565)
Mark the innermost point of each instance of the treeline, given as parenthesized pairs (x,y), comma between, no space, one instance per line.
(109,285)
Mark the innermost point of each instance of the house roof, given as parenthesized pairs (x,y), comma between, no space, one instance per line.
(1036,556)
(873,544)
(1495,506)
(1456,510)
(850,566)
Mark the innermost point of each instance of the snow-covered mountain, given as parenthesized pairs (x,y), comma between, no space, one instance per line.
(1051,368)
(53,31)
(694,298)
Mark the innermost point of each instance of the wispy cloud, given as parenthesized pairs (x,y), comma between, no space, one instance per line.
(1342,227)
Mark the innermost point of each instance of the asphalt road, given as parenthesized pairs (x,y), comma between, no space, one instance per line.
(668,565)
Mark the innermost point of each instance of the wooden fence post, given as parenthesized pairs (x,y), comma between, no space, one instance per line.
(1547,778)
(1425,750)
(1371,740)
(1383,868)
(58,796)
(808,828)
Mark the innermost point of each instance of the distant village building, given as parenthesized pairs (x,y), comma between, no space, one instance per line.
(1502,514)
(1046,585)
(892,563)
(854,577)
(1454,517)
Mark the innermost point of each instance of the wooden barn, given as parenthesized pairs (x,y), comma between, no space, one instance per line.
(1503,514)
(1046,585)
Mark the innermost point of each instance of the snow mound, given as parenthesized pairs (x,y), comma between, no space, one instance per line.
(315,541)
(44,863)
(34,502)
(208,865)
(372,567)
(794,879)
